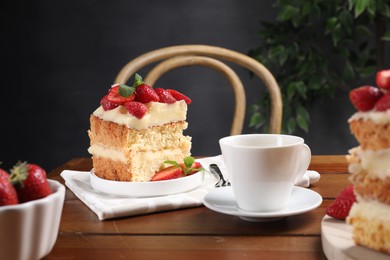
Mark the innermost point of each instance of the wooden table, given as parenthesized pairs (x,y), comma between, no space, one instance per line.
(196,233)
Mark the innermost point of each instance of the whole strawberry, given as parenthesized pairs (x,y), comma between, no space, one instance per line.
(340,207)
(8,194)
(365,97)
(165,96)
(30,181)
(383,103)
(145,94)
(137,109)
(383,79)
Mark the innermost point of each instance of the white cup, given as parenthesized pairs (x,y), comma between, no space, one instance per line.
(263,168)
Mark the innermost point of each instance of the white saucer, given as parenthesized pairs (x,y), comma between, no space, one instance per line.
(222,200)
(337,242)
(148,188)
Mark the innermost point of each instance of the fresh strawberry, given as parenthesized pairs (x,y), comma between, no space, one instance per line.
(365,97)
(171,172)
(383,103)
(115,97)
(30,181)
(107,104)
(137,109)
(179,96)
(8,195)
(165,96)
(383,79)
(340,207)
(145,94)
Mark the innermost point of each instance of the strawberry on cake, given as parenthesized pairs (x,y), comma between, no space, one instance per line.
(136,129)
(369,164)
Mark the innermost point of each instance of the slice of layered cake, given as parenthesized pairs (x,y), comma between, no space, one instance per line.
(136,129)
(369,164)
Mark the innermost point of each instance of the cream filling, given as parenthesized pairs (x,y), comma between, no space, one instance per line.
(378,117)
(158,114)
(373,162)
(101,151)
(372,210)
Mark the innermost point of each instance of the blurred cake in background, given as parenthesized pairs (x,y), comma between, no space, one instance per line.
(136,129)
(369,164)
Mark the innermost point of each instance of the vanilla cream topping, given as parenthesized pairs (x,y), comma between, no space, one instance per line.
(378,117)
(158,114)
(374,162)
(371,209)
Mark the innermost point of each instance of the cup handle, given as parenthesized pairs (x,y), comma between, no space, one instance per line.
(305,162)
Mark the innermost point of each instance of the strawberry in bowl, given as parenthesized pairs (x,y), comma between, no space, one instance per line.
(29,225)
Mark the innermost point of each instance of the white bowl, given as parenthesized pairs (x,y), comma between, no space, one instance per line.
(29,230)
(147,188)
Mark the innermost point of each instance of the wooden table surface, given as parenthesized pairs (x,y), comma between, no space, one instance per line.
(196,233)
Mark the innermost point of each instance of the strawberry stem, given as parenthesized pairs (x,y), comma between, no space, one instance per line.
(19,173)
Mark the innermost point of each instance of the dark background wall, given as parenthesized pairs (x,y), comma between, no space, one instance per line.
(58,58)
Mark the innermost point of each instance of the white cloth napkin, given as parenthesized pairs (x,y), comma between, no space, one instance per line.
(108,206)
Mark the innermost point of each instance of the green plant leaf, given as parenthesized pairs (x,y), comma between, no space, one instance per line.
(348,72)
(360,7)
(291,125)
(346,20)
(303,118)
(287,12)
(331,24)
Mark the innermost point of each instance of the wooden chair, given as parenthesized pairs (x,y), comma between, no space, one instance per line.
(205,55)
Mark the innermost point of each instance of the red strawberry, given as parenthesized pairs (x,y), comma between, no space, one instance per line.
(171,172)
(383,103)
(165,96)
(383,79)
(340,207)
(364,98)
(137,109)
(107,104)
(30,181)
(179,96)
(145,94)
(114,96)
(8,195)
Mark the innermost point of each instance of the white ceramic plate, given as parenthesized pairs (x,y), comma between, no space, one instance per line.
(337,242)
(146,189)
(222,200)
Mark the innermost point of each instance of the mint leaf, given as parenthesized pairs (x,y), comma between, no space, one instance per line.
(125,91)
(188,161)
(137,80)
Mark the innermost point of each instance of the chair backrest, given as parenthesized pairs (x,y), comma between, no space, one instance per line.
(205,55)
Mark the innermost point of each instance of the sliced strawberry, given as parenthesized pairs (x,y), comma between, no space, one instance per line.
(8,195)
(383,103)
(137,109)
(341,206)
(179,96)
(365,97)
(114,96)
(145,94)
(30,181)
(383,79)
(165,96)
(171,172)
(107,104)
